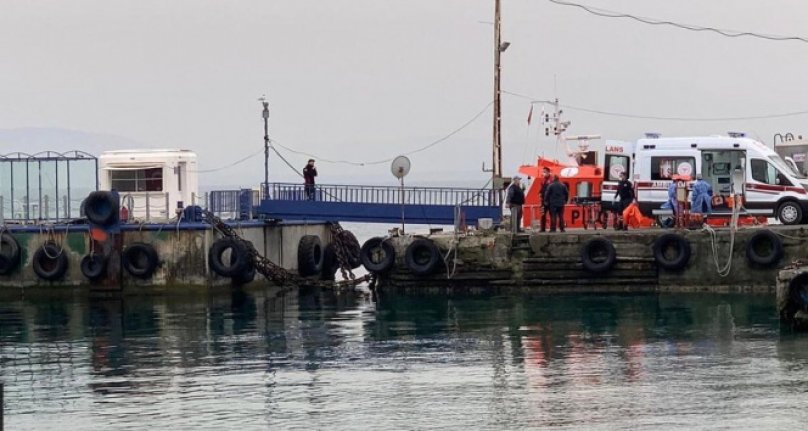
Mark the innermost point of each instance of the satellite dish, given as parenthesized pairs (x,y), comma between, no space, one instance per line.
(400,167)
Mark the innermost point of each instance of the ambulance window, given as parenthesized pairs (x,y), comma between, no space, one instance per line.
(766,173)
(615,165)
(664,168)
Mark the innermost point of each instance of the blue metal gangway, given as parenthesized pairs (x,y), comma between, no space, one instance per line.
(379,204)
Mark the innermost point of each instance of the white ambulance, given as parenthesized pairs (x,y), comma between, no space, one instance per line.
(771,186)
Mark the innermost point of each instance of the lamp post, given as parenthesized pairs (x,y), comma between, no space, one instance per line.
(265,114)
(499,48)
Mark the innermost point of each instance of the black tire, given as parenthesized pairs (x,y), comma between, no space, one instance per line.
(378,255)
(681,246)
(247,276)
(797,299)
(789,213)
(598,255)
(238,262)
(330,264)
(309,256)
(140,260)
(93,267)
(101,208)
(422,257)
(50,262)
(10,253)
(764,249)
(353,251)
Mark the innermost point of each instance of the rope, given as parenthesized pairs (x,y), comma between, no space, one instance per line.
(724,270)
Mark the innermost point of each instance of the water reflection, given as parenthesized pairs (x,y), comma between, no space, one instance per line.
(254,360)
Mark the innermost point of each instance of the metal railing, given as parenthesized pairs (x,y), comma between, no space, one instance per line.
(44,208)
(383,194)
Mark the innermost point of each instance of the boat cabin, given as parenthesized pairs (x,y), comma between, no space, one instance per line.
(152,184)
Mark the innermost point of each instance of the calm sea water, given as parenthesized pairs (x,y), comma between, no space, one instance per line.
(248,361)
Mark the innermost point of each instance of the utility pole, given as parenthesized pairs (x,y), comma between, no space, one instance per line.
(496,161)
(265,114)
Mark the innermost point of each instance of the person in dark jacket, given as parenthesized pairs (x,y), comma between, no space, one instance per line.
(514,199)
(309,172)
(556,197)
(546,180)
(624,197)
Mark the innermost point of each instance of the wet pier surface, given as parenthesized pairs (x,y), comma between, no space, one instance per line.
(247,360)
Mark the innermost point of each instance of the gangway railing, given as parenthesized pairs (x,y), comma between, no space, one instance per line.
(352,202)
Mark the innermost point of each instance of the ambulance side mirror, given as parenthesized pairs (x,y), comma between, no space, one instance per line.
(777,180)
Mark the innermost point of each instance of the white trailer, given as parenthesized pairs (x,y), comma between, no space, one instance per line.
(152,184)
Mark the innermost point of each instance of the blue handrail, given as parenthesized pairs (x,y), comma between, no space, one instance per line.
(351,193)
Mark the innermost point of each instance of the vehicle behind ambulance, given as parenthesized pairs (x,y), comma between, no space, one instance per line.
(771,186)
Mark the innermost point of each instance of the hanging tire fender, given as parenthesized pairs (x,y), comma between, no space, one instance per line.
(50,262)
(239,259)
(378,255)
(140,260)
(101,208)
(680,244)
(330,264)
(598,245)
(422,257)
(773,253)
(9,253)
(246,276)
(93,267)
(309,255)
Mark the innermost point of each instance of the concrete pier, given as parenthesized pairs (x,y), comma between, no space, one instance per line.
(551,262)
(182,251)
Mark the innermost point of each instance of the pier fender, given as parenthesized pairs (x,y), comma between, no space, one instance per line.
(309,255)
(672,242)
(101,208)
(330,264)
(378,255)
(140,260)
(598,255)
(245,277)
(238,262)
(422,257)
(93,266)
(9,253)
(764,248)
(50,262)
(798,294)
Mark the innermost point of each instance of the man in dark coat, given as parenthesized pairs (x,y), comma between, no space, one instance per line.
(546,180)
(624,197)
(556,197)
(309,172)
(514,199)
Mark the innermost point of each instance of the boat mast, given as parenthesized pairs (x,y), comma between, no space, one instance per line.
(496,167)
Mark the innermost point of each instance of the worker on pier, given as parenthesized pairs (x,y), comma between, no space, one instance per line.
(624,197)
(556,197)
(514,200)
(546,180)
(309,172)
(701,198)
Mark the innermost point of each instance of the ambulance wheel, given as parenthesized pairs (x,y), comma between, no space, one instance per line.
(789,213)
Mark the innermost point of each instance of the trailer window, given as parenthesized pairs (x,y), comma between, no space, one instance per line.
(616,165)
(137,180)
(664,168)
(766,173)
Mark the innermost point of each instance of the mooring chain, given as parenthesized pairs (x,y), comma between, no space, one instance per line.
(340,248)
(276,273)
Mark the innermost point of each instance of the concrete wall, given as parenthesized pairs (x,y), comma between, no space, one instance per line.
(183,255)
(549,262)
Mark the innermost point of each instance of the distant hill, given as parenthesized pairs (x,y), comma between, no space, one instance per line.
(35,139)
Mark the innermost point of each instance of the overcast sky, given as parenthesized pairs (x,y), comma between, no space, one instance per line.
(369,79)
